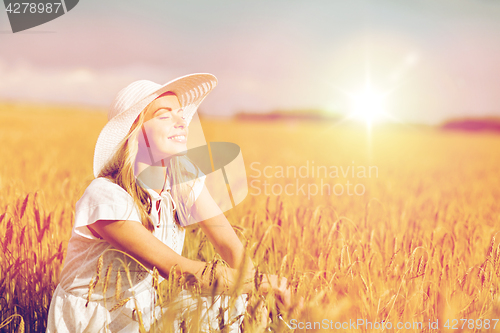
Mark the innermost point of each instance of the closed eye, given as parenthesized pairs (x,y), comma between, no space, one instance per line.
(162,113)
(165,113)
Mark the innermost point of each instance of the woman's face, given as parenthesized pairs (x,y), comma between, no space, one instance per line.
(164,130)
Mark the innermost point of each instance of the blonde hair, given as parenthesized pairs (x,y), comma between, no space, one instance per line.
(120,170)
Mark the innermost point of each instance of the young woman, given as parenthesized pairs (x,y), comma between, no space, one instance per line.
(145,193)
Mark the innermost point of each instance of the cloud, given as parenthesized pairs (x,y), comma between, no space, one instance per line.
(74,85)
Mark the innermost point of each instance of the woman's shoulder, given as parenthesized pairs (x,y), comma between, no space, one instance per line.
(100,183)
(103,200)
(105,186)
(102,191)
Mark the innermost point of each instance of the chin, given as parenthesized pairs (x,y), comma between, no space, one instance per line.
(179,151)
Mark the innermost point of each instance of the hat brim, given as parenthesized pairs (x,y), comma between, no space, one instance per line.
(191,90)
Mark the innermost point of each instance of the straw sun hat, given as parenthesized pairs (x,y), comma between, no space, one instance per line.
(191,90)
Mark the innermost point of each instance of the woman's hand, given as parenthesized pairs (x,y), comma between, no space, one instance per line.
(284,295)
(280,288)
(224,279)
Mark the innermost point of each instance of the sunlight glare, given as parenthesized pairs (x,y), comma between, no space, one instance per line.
(368,105)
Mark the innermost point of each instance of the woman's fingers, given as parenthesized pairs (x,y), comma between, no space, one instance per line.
(299,307)
(284,298)
(263,316)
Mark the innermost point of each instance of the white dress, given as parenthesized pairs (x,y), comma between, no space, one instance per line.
(69,311)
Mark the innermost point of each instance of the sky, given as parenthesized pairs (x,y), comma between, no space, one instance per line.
(430,59)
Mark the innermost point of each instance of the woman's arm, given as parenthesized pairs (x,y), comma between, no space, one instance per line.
(134,239)
(219,231)
(222,236)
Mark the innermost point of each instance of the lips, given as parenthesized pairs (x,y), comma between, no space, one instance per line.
(181,137)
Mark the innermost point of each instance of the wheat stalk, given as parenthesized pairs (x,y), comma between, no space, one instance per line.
(120,304)
(106,281)
(91,290)
(118,285)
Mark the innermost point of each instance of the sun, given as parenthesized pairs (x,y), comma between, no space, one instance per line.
(368,105)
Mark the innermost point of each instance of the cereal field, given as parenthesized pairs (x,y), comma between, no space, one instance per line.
(413,241)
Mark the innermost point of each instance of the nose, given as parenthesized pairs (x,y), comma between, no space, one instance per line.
(180,121)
